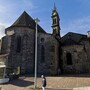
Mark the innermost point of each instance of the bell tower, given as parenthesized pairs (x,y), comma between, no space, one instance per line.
(55,22)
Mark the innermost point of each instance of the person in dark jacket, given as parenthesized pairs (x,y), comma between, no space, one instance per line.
(43,82)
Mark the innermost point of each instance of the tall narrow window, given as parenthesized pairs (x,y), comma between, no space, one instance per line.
(69,59)
(18,47)
(42,54)
(54,21)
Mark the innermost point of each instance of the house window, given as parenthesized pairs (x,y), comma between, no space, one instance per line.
(69,58)
(42,54)
(18,47)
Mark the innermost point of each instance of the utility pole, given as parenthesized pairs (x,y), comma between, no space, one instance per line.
(35,78)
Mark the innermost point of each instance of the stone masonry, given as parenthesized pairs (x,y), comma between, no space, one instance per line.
(69,54)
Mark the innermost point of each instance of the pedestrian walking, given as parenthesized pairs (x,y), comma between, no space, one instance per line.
(43,82)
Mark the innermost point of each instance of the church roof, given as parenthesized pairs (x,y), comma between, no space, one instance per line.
(25,20)
(72,38)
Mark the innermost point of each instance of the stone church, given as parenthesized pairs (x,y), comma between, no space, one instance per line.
(68,54)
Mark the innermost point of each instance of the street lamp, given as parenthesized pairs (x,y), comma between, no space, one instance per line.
(35,79)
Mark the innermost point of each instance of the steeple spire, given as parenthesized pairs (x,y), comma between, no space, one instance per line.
(54,6)
(55,22)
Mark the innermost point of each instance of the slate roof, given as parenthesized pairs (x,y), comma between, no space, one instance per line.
(72,38)
(25,20)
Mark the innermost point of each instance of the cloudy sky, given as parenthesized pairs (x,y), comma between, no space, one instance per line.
(74,14)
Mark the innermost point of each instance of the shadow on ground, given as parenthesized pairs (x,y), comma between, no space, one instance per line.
(21,83)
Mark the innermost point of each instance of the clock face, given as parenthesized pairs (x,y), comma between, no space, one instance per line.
(54,13)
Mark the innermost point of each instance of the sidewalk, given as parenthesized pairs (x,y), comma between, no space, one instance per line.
(58,89)
(82,88)
(79,88)
(53,83)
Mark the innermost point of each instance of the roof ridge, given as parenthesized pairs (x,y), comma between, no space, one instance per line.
(76,33)
(25,20)
(25,16)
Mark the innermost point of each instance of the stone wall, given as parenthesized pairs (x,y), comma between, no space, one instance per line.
(25,57)
(80,58)
(51,45)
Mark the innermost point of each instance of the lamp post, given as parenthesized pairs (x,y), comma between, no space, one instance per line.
(35,79)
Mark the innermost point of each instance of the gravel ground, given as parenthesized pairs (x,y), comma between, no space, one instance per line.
(25,83)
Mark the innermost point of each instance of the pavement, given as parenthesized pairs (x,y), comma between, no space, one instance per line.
(53,83)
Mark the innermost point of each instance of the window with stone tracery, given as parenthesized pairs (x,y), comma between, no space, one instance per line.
(18,45)
(42,54)
(69,58)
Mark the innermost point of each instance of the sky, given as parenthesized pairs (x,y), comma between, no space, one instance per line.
(74,14)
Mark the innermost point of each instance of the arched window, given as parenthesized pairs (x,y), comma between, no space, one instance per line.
(18,44)
(54,21)
(69,58)
(42,54)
